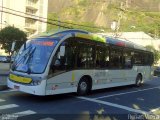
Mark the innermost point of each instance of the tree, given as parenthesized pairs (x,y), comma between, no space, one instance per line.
(155,52)
(10,34)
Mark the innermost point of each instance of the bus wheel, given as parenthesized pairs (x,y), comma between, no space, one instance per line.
(139,80)
(83,86)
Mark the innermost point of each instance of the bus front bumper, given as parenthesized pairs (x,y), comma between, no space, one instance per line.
(35,90)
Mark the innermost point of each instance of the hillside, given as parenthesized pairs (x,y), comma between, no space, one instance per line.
(134,15)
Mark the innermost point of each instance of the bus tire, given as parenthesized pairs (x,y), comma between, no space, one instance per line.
(139,80)
(83,86)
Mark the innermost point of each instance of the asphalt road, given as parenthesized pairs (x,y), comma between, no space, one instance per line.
(120,103)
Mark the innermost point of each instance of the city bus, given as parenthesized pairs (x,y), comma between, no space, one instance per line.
(78,61)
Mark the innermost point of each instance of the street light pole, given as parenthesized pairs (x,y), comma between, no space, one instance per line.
(1,13)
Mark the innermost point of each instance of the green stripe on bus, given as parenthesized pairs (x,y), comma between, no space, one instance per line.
(91,37)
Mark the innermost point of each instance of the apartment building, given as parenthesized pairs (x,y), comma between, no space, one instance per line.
(23,14)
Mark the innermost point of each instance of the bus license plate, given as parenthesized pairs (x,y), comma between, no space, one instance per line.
(16,87)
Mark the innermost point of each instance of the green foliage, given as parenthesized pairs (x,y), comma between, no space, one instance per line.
(84,3)
(137,17)
(156,53)
(10,34)
(52,16)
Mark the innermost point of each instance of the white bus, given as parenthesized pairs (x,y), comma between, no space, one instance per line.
(78,61)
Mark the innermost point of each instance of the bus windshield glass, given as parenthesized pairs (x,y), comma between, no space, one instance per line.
(34,55)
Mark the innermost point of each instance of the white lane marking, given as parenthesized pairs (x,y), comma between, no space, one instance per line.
(115,105)
(47,119)
(11,90)
(24,113)
(156,109)
(8,106)
(1,100)
(126,93)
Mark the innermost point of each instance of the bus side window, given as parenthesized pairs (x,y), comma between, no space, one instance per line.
(138,58)
(71,53)
(128,58)
(66,62)
(102,57)
(85,57)
(116,58)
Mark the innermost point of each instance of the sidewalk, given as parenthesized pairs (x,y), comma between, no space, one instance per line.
(4,72)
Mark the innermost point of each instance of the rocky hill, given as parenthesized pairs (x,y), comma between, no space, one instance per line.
(134,15)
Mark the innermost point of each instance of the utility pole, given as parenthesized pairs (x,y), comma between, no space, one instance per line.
(1,13)
(120,16)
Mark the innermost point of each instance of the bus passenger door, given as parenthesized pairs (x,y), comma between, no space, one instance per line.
(60,74)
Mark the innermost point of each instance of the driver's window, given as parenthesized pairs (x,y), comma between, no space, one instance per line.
(60,63)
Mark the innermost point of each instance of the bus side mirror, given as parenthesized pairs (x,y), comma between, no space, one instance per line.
(62,51)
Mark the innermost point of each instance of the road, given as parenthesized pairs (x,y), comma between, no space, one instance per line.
(120,103)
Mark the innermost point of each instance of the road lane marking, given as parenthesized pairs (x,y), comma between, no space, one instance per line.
(156,109)
(1,100)
(115,105)
(126,93)
(47,119)
(2,107)
(24,113)
(11,90)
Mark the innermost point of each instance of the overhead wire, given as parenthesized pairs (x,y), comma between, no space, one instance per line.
(52,20)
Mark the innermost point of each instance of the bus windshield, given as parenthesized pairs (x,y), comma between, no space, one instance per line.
(34,55)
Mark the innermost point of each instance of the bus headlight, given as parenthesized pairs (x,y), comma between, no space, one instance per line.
(36,82)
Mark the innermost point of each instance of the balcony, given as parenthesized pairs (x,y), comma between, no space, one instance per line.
(31,5)
(31,16)
(30,27)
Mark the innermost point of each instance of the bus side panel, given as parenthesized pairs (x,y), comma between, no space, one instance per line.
(100,77)
(116,78)
(66,82)
(147,73)
(131,74)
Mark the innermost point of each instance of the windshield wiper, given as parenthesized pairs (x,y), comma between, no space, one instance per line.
(23,57)
(29,57)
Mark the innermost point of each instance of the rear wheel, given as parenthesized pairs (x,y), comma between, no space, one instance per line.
(139,80)
(83,86)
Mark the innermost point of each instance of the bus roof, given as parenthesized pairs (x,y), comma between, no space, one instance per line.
(94,37)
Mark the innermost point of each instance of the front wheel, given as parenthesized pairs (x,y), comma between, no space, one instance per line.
(83,86)
(139,80)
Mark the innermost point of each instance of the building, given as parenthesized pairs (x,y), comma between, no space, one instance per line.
(139,38)
(23,14)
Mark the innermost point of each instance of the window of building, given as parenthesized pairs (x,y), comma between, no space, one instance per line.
(30,11)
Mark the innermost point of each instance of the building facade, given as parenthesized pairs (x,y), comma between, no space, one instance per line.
(25,15)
